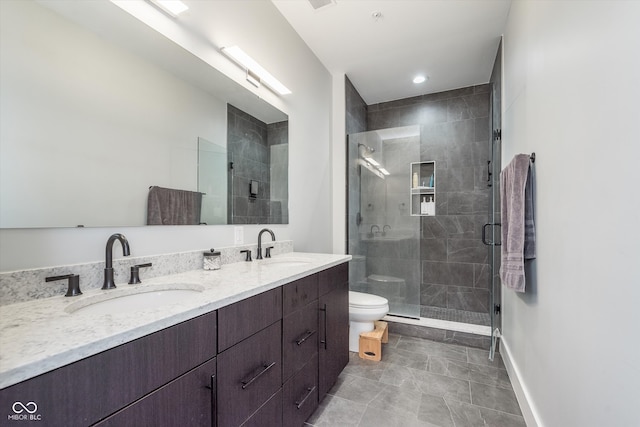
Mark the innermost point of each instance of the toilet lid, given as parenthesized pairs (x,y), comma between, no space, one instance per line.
(362,300)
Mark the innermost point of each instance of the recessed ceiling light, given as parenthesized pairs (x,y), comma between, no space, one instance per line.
(419,79)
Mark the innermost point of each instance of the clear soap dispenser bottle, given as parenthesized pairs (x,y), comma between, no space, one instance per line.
(211,260)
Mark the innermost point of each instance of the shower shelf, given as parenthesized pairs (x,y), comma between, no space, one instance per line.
(423,197)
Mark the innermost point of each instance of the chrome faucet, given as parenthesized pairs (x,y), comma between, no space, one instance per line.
(273,238)
(108,270)
(384,229)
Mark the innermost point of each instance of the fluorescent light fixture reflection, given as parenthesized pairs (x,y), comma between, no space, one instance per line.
(239,56)
(172,7)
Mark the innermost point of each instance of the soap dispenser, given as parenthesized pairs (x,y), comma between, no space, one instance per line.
(211,260)
(424,209)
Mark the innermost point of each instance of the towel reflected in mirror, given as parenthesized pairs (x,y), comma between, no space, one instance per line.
(168,206)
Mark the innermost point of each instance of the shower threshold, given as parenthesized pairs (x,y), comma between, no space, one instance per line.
(441,324)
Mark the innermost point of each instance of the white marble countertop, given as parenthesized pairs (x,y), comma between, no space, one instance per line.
(41,335)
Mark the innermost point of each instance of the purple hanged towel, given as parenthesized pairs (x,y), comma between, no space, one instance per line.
(166,206)
(518,227)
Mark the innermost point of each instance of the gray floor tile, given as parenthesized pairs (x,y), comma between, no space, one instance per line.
(481,357)
(469,371)
(376,417)
(398,400)
(493,397)
(466,415)
(393,340)
(434,409)
(432,348)
(421,383)
(336,411)
(364,368)
(405,358)
(400,376)
(443,386)
(356,389)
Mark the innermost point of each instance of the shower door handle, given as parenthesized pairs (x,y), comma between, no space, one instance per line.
(484,234)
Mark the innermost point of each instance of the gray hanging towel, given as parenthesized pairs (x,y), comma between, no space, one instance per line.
(518,226)
(167,206)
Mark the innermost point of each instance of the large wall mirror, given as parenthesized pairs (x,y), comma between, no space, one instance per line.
(96,108)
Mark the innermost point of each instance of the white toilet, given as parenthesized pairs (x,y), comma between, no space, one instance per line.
(364,309)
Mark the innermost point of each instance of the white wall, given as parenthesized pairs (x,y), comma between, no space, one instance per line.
(339,160)
(257,26)
(571,95)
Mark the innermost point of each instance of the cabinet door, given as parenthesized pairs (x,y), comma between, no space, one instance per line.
(248,374)
(188,400)
(334,336)
(299,339)
(332,278)
(296,295)
(244,318)
(300,395)
(91,389)
(269,414)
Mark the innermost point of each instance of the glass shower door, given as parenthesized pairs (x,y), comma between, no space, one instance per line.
(494,168)
(383,237)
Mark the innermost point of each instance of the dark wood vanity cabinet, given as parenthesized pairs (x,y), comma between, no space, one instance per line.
(89,390)
(333,306)
(264,361)
(249,373)
(250,362)
(300,350)
(186,401)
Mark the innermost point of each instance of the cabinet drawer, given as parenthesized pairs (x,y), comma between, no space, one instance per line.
(91,389)
(244,318)
(248,374)
(297,294)
(331,278)
(269,414)
(299,338)
(187,400)
(300,395)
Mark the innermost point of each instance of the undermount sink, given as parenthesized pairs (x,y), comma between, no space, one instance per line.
(286,262)
(131,300)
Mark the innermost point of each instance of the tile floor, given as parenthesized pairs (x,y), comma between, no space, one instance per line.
(421,383)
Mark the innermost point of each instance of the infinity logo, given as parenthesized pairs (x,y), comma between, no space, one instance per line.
(19,407)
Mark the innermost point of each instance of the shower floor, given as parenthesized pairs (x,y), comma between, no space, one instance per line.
(453,315)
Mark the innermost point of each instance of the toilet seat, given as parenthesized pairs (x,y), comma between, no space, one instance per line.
(367,301)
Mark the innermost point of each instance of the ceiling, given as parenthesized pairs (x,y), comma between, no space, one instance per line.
(453,42)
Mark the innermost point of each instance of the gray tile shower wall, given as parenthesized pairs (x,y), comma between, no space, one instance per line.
(248,145)
(25,285)
(455,133)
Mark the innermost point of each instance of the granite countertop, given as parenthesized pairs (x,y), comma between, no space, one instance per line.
(41,335)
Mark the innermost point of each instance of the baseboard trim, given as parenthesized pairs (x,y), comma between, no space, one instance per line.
(529,413)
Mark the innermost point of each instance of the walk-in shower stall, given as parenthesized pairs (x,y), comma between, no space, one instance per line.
(422,203)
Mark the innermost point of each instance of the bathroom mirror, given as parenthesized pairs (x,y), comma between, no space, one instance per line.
(96,107)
